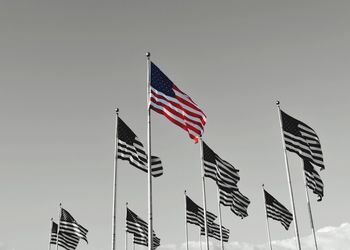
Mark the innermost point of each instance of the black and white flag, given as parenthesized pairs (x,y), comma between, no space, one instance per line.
(219,170)
(70,226)
(195,214)
(214,232)
(302,140)
(275,210)
(131,149)
(65,240)
(313,179)
(237,202)
(139,228)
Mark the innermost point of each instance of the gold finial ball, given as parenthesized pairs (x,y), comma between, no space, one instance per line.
(277,102)
(148,54)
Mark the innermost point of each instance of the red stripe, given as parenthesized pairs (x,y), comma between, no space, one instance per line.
(190,102)
(188,122)
(176,122)
(201,118)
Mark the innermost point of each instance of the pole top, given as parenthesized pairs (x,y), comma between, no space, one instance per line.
(51,219)
(60,204)
(278,103)
(185,191)
(117,110)
(126,203)
(263,185)
(148,54)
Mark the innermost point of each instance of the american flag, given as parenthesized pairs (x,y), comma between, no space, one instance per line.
(275,210)
(313,180)
(302,140)
(69,225)
(195,214)
(167,99)
(65,240)
(237,202)
(214,232)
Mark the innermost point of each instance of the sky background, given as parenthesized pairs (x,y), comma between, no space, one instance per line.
(66,65)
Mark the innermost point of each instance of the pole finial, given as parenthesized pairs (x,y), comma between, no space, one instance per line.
(185,191)
(117,110)
(126,203)
(60,204)
(148,54)
(278,103)
(51,219)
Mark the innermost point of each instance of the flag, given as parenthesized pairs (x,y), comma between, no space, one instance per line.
(139,228)
(313,179)
(302,140)
(70,226)
(214,232)
(65,240)
(275,210)
(235,200)
(219,170)
(175,105)
(195,214)
(131,149)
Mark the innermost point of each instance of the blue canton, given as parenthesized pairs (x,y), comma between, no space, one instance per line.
(161,82)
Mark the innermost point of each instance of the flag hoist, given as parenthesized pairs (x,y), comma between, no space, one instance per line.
(289,179)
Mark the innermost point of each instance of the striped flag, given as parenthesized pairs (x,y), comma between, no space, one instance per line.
(175,105)
(219,170)
(69,225)
(139,228)
(275,210)
(214,232)
(131,149)
(302,140)
(65,240)
(313,179)
(195,214)
(235,200)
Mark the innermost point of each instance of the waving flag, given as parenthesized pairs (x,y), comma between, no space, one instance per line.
(175,105)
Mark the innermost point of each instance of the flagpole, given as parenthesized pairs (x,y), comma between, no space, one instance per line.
(204,195)
(126,231)
(220,220)
(200,238)
(114,213)
(186,226)
(51,234)
(310,212)
(58,226)
(150,219)
(289,179)
(267,220)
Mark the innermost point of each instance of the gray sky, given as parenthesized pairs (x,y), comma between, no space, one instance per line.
(66,65)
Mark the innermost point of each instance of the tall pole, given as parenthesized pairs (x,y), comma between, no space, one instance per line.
(51,233)
(114,212)
(150,219)
(126,231)
(289,180)
(186,226)
(310,213)
(200,238)
(204,195)
(59,223)
(267,220)
(220,219)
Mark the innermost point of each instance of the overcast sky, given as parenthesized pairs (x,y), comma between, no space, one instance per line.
(66,65)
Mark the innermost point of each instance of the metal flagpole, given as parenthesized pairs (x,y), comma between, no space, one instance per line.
(220,220)
(150,219)
(51,234)
(114,213)
(126,231)
(204,195)
(310,213)
(59,223)
(200,238)
(289,180)
(186,226)
(267,220)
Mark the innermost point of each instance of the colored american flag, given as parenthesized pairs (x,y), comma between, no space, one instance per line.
(167,99)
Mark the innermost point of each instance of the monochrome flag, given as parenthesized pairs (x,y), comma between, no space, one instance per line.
(139,228)
(167,99)
(214,232)
(65,240)
(313,179)
(237,202)
(275,210)
(70,226)
(131,149)
(195,214)
(302,140)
